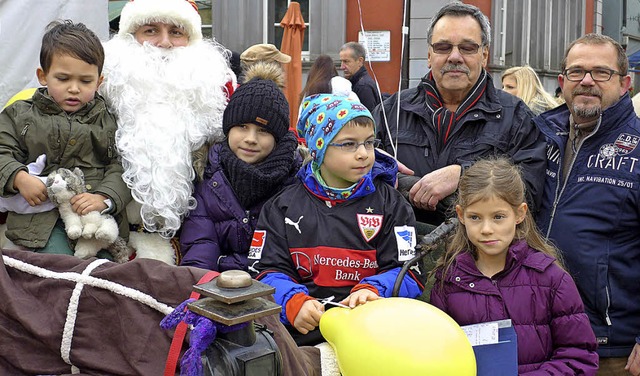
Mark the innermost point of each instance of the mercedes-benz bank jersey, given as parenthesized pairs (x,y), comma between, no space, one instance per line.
(329,250)
(594,219)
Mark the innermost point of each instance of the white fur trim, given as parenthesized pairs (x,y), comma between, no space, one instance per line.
(328,360)
(152,246)
(180,12)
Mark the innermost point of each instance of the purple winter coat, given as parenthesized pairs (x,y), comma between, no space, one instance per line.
(217,233)
(542,301)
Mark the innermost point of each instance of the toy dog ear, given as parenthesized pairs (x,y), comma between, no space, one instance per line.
(78,172)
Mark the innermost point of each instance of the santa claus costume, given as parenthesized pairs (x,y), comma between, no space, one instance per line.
(169,103)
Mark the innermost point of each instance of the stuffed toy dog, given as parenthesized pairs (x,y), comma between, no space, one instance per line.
(93,231)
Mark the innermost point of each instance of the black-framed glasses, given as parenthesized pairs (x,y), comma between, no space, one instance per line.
(465,48)
(352,146)
(597,74)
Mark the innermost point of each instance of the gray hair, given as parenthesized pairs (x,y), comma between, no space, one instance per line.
(458,9)
(357,48)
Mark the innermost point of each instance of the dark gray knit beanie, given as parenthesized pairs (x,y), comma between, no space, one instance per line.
(259,102)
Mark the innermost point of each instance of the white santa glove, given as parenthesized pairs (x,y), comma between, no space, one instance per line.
(17,203)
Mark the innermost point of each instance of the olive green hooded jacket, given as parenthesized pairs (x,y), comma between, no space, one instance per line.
(83,139)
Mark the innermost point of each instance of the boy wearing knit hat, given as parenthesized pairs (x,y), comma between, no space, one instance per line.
(342,230)
(255,160)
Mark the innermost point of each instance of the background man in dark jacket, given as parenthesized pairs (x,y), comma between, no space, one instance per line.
(456,116)
(591,196)
(352,55)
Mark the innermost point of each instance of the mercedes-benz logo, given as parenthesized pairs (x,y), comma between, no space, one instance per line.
(303,264)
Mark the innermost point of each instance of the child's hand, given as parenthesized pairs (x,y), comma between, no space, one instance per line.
(30,187)
(309,316)
(359,297)
(87,202)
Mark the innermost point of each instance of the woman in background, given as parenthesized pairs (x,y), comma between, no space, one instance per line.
(523,82)
(323,78)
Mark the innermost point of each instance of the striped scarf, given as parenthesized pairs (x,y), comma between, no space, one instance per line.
(444,120)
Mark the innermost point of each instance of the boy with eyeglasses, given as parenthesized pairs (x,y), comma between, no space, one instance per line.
(342,232)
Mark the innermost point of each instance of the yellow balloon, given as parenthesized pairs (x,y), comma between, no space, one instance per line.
(24,94)
(397,336)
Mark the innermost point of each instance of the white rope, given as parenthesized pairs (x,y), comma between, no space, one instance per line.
(100,283)
(81,280)
(72,314)
(405,33)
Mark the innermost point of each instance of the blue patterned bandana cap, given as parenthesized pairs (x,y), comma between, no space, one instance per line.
(322,117)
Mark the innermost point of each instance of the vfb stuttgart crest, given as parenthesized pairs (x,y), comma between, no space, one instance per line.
(370,225)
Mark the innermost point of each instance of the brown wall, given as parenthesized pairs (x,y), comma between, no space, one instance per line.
(588,20)
(387,15)
(484,5)
(379,15)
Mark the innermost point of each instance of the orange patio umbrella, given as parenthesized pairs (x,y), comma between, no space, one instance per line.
(294,26)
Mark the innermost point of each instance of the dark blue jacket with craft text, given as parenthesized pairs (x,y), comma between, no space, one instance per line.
(594,219)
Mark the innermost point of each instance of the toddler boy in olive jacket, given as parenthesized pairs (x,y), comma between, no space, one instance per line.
(68,122)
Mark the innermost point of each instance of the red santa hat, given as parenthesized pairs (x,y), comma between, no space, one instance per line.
(183,13)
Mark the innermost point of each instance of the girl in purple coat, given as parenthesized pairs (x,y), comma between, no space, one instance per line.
(256,159)
(498,266)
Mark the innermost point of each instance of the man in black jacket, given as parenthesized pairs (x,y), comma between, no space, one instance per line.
(352,56)
(456,116)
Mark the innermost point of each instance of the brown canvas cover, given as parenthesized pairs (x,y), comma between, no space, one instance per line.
(62,315)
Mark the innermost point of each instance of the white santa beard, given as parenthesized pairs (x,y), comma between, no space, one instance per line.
(168,103)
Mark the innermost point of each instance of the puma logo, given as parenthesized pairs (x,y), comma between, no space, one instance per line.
(252,267)
(287,221)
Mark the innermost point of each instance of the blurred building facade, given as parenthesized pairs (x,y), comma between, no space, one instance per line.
(524,32)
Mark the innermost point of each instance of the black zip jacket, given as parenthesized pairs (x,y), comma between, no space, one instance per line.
(499,124)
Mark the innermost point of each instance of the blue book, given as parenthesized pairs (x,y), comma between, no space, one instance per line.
(499,358)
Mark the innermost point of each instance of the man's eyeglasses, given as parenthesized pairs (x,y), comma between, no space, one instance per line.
(598,74)
(466,48)
(352,146)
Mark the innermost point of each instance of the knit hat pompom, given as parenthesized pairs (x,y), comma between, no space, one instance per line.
(323,116)
(182,13)
(259,102)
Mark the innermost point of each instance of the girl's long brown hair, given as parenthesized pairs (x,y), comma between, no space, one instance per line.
(494,177)
(319,78)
